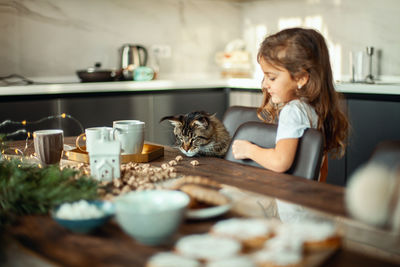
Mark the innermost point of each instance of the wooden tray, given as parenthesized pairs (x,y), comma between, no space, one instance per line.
(149,153)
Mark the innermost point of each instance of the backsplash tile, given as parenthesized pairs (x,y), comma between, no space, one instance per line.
(54,38)
(43,38)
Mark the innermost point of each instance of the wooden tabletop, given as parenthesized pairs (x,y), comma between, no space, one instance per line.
(110,246)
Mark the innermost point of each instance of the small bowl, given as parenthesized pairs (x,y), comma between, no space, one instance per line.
(151,217)
(84,226)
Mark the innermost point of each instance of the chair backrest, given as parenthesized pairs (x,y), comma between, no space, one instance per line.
(237,115)
(307,162)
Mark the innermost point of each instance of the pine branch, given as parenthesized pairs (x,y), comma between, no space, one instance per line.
(27,189)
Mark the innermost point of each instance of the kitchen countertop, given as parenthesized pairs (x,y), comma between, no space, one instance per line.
(177,84)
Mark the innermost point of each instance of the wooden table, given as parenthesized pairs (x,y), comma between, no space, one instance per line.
(110,246)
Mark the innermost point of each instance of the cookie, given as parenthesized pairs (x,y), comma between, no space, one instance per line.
(315,235)
(206,247)
(252,233)
(169,259)
(191,179)
(238,261)
(205,195)
(271,258)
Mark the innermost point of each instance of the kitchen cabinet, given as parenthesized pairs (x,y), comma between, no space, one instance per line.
(373,119)
(373,110)
(103,108)
(30,109)
(178,102)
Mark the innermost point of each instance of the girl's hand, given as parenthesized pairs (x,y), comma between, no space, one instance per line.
(278,159)
(241,149)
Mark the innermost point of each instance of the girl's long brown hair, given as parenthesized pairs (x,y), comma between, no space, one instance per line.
(300,50)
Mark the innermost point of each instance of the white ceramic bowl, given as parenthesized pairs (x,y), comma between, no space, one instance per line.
(151,217)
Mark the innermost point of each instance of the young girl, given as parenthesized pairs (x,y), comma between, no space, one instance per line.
(298,92)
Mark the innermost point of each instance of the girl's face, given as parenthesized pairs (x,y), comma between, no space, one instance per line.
(278,83)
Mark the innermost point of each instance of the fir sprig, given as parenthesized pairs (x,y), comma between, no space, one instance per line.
(27,189)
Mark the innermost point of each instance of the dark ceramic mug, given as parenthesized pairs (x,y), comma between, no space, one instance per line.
(49,145)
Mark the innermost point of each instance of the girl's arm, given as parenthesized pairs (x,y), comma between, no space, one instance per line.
(278,159)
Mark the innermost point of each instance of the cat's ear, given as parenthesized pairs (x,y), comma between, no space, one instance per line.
(202,122)
(176,121)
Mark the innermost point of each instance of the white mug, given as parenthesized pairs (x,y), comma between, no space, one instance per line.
(130,133)
(93,134)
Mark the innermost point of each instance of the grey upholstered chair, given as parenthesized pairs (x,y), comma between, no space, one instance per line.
(237,115)
(307,162)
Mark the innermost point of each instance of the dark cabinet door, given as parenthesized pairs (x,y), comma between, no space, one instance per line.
(372,121)
(39,114)
(150,107)
(91,110)
(101,110)
(181,102)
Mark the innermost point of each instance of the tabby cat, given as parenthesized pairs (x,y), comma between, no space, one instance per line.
(199,133)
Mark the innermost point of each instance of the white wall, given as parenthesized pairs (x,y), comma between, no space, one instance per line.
(54,38)
(347,25)
(43,38)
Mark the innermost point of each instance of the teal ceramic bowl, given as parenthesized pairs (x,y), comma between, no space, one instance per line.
(85,226)
(151,217)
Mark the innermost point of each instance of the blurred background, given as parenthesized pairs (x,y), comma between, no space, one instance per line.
(51,40)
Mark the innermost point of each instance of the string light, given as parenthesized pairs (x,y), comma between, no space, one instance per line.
(29,134)
(25,122)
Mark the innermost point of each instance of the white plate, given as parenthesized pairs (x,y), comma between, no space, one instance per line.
(209,212)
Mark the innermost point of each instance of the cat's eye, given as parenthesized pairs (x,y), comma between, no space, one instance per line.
(199,139)
(197,142)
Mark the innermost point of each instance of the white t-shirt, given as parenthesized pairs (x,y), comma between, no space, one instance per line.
(295,117)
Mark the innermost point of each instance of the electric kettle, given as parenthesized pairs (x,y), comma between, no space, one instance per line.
(132,57)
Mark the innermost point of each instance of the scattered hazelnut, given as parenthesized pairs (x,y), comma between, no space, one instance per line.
(109,197)
(131,180)
(101,191)
(172,162)
(116,191)
(194,162)
(179,158)
(126,189)
(164,166)
(157,169)
(117,182)
(146,166)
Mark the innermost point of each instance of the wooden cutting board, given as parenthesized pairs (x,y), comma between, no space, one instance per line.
(149,153)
